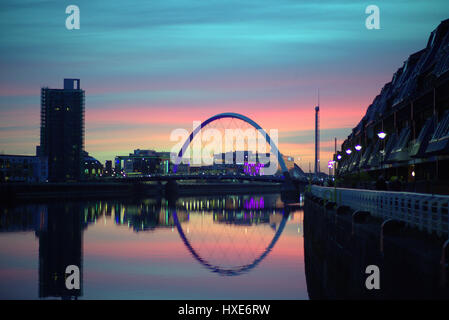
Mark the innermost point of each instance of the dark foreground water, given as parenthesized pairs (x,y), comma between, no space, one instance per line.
(215,247)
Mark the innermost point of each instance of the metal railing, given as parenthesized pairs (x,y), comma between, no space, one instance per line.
(425,211)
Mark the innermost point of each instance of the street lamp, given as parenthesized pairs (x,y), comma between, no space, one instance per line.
(348,151)
(330,165)
(382,136)
(358,148)
(339,157)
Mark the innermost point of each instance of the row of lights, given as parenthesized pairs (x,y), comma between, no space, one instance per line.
(358,147)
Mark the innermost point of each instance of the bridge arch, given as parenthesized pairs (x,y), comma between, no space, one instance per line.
(240,269)
(236,116)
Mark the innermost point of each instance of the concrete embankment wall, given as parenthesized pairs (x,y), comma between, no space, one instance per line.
(339,244)
(62,191)
(20,192)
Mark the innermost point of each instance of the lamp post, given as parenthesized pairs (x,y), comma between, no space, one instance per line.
(331,165)
(358,148)
(335,173)
(337,161)
(382,135)
(348,152)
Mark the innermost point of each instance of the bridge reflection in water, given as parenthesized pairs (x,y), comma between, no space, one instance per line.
(228,235)
(219,237)
(225,244)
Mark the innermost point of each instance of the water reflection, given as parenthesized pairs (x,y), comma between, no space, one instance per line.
(220,247)
(60,245)
(228,235)
(337,253)
(276,218)
(59,228)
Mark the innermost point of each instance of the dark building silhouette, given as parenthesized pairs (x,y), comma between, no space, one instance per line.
(108,168)
(404,134)
(143,162)
(22,168)
(92,168)
(62,130)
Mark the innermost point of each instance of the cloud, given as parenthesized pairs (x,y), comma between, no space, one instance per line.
(166,63)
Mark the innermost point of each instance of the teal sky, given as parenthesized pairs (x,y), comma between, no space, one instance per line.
(149,67)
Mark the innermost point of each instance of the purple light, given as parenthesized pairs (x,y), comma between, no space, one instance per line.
(252,169)
(254,204)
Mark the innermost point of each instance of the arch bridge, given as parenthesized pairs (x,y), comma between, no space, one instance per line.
(274,148)
(288,182)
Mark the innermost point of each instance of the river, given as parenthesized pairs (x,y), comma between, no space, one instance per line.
(212,247)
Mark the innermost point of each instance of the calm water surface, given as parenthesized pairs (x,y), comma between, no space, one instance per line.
(215,247)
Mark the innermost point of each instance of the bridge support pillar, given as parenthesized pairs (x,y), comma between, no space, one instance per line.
(288,184)
(171,189)
(290,191)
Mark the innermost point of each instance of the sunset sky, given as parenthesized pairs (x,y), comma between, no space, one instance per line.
(149,67)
